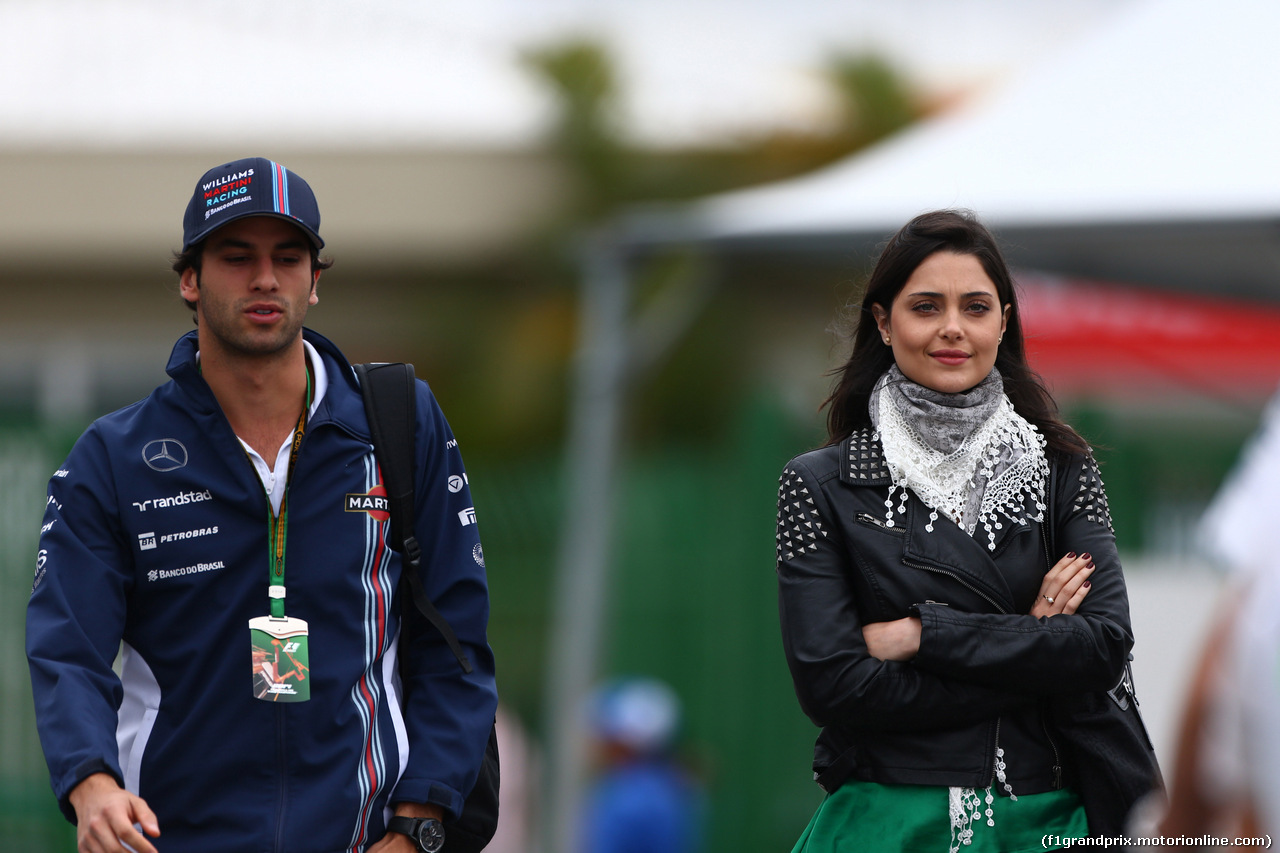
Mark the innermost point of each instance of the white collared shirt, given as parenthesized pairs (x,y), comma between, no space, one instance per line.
(275,480)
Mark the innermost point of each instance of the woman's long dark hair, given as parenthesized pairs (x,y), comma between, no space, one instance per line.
(960,232)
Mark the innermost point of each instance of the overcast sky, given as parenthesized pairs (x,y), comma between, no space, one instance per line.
(449,71)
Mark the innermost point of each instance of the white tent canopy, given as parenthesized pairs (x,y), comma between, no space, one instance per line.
(325,73)
(1147,153)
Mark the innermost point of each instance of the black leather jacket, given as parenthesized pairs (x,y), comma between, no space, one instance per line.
(986,669)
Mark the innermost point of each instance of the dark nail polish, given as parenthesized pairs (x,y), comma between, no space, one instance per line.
(1071,555)
(1085,557)
(1090,566)
(1086,584)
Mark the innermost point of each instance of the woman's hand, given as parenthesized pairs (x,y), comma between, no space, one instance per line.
(896,640)
(1064,587)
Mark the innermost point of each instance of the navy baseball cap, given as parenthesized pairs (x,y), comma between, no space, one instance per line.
(254,186)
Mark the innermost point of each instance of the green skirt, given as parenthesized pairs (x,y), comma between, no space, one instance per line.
(870,818)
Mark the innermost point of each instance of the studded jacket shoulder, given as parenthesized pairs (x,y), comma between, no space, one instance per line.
(985,666)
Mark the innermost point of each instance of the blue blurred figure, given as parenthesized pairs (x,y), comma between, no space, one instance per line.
(643,801)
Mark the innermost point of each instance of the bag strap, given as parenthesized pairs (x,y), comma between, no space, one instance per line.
(390,404)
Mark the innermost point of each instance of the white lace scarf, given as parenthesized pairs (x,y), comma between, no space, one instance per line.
(987,479)
(966,807)
(981,463)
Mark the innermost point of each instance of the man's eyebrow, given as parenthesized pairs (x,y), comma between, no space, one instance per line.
(231,243)
(236,243)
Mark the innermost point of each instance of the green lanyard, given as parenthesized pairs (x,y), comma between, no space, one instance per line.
(277,525)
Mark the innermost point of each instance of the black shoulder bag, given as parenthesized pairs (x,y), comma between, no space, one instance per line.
(1109,753)
(390,403)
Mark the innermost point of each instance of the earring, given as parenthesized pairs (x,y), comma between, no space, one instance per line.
(886,340)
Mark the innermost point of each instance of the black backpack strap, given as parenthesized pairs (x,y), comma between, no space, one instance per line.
(390,404)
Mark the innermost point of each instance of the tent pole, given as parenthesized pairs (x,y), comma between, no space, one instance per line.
(583,565)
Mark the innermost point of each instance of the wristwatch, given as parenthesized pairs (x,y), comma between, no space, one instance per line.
(426,832)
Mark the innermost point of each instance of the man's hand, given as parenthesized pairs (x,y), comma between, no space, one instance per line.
(394,842)
(106,814)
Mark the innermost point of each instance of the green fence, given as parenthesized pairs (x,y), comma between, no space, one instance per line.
(696,603)
(29,817)
(693,602)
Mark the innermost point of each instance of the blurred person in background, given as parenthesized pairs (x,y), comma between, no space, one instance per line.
(516,797)
(242,718)
(929,629)
(643,800)
(1226,778)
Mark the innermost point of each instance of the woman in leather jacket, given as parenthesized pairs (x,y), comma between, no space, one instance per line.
(947,568)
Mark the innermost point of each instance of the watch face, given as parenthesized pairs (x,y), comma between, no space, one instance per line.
(430,836)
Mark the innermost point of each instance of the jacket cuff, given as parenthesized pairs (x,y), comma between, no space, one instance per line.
(78,774)
(927,612)
(427,791)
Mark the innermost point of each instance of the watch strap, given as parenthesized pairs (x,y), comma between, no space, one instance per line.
(430,841)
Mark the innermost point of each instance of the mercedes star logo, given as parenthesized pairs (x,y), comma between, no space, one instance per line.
(164,454)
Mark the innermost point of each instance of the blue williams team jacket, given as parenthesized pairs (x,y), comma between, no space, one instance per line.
(167,552)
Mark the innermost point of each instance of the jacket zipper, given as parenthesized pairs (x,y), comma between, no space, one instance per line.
(1044,723)
(282,727)
(1044,540)
(868,518)
(1057,760)
(282,770)
(958,579)
(995,756)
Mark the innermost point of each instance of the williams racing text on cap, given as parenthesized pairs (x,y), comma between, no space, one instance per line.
(254,186)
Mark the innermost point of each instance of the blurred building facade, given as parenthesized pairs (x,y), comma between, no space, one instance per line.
(86,236)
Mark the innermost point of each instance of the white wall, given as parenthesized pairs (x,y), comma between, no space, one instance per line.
(1171,607)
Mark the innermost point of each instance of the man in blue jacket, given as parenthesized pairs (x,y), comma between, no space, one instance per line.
(227,537)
